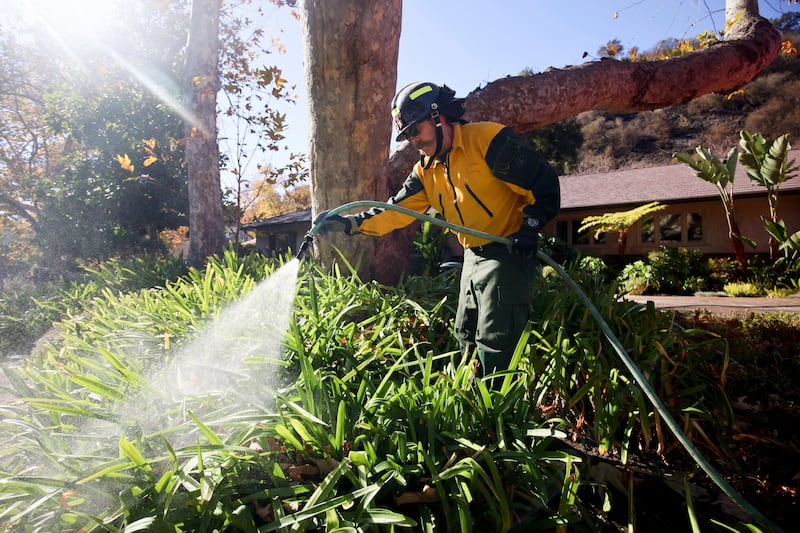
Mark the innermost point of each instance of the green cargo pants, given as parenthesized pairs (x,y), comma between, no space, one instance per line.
(493,303)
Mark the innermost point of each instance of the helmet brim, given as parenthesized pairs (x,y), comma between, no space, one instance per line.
(402,135)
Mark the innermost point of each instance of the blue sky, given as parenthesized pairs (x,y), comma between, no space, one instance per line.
(467,43)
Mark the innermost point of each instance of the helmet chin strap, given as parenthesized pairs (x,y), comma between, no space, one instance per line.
(439,139)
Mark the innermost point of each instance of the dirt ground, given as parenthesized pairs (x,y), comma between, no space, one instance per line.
(763,387)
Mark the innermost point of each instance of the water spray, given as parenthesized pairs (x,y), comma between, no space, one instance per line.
(639,378)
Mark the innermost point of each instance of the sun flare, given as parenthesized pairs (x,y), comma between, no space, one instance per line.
(71,19)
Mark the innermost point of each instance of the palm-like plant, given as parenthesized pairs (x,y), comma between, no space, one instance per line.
(766,163)
(620,223)
(720,173)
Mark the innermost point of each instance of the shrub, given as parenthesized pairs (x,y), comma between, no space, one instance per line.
(668,270)
(593,266)
(380,407)
(23,318)
(677,268)
(638,278)
(763,349)
(27,313)
(721,270)
(782,273)
(776,116)
(741,288)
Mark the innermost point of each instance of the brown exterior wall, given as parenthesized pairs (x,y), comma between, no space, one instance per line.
(714,240)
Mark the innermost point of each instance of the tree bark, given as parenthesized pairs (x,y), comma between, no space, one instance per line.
(351,49)
(201,84)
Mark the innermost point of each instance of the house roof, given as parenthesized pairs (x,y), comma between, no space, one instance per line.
(670,183)
(619,188)
(298,217)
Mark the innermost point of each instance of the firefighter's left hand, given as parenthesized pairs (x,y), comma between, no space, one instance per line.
(525,241)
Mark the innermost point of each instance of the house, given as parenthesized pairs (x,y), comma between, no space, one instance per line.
(694,216)
(282,233)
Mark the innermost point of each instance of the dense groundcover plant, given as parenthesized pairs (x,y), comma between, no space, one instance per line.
(366,418)
(27,312)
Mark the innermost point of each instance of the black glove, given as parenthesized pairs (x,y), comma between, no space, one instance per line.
(526,240)
(336,224)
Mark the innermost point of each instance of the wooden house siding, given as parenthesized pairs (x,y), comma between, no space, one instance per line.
(684,195)
(280,234)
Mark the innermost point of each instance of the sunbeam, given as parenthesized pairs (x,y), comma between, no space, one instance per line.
(76,27)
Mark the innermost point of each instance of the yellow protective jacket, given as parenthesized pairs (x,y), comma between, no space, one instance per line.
(490,180)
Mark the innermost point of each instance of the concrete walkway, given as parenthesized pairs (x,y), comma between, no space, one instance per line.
(722,305)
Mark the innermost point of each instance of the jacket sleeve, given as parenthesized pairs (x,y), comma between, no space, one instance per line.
(513,160)
(380,221)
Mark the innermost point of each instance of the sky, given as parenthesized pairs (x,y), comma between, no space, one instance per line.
(466,43)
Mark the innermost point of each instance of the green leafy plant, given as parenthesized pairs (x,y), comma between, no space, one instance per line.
(430,242)
(619,223)
(720,173)
(29,312)
(742,289)
(677,269)
(638,278)
(766,163)
(377,423)
(602,398)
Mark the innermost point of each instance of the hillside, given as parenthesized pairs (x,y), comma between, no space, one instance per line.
(769,105)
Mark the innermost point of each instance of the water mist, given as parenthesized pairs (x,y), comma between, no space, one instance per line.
(227,371)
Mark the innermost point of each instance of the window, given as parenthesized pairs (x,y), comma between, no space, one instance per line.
(671,228)
(579,237)
(569,228)
(694,227)
(648,230)
(562,230)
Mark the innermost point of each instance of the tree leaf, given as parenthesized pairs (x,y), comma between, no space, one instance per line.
(125,162)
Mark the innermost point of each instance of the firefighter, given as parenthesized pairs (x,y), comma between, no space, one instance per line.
(481,176)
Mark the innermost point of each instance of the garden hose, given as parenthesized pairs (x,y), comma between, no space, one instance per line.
(639,378)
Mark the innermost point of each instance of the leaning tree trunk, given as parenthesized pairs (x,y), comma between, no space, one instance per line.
(200,85)
(526,103)
(351,49)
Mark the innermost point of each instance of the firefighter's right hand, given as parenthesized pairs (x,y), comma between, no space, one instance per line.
(347,224)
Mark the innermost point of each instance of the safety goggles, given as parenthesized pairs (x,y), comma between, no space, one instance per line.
(411,131)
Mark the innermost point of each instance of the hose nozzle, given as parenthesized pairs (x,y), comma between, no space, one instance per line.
(307,240)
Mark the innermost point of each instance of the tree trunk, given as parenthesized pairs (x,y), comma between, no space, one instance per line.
(526,103)
(734,233)
(351,49)
(200,85)
(622,243)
